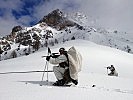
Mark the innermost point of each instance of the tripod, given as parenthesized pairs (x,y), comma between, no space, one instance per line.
(107,71)
(45,70)
(46,67)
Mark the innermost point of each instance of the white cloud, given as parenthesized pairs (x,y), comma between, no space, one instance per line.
(115,14)
(6,26)
(45,8)
(11,4)
(24,20)
(7,20)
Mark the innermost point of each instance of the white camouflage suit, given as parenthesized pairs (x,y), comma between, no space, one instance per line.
(58,70)
(113,72)
(75,62)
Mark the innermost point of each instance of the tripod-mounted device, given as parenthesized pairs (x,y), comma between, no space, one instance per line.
(46,67)
(53,55)
(107,69)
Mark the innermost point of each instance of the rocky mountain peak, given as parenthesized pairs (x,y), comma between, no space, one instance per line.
(57,20)
(16,29)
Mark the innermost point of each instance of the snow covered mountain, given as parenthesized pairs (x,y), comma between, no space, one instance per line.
(20,78)
(57,27)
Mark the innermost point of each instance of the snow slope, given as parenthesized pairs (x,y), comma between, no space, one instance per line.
(26,86)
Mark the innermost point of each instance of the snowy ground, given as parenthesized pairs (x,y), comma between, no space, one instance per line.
(26,86)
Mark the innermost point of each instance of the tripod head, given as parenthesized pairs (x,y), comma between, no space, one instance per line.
(53,55)
(107,67)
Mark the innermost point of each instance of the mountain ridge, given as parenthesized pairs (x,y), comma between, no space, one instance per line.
(57,27)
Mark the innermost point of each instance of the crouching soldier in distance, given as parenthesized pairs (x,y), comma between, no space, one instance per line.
(68,66)
(112,71)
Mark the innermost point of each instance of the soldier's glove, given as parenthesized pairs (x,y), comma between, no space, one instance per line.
(47,58)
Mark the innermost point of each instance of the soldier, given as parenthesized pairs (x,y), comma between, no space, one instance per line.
(68,66)
(112,71)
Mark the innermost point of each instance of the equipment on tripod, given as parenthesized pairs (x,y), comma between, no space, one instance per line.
(49,54)
(46,66)
(107,69)
(53,55)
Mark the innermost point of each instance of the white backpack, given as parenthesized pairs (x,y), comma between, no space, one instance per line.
(75,62)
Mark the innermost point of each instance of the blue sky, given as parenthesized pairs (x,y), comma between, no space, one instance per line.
(22,11)
(115,14)
(27,9)
(27,12)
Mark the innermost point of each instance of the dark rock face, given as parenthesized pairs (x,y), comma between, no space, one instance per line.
(57,20)
(16,29)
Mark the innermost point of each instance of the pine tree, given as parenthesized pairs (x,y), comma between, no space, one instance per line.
(13,54)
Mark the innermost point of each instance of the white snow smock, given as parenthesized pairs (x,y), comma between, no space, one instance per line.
(75,62)
(60,59)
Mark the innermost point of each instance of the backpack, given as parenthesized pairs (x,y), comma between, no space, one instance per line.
(75,62)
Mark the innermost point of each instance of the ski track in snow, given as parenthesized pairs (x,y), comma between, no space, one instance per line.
(107,89)
(99,88)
